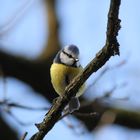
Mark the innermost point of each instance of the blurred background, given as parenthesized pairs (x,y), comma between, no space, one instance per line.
(31,33)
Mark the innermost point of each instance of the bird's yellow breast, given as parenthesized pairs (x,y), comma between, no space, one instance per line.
(58,77)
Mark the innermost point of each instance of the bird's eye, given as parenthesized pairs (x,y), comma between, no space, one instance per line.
(70,56)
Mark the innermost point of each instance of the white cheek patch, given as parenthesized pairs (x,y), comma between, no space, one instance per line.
(65,59)
(78,64)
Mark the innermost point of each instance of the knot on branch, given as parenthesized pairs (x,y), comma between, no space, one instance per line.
(115,48)
(117,27)
(38,125)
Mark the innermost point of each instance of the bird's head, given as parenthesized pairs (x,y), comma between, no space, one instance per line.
(69,55)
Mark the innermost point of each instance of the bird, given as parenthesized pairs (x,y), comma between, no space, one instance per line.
(64,68)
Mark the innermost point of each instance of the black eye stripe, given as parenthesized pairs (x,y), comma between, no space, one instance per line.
(67,54)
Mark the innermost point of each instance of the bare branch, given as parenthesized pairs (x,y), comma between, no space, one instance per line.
(31,72)
(24,136)
(81,114)
(9,105)
(111,48)
(10,113)
(104,71)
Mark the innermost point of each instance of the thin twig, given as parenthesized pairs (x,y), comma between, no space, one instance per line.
(7,106)
(16,105)
(108,94)
(16,119)
(64,115)
(24,136)
(80,114)
(103,72)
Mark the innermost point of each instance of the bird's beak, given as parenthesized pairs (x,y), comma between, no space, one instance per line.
(76,59)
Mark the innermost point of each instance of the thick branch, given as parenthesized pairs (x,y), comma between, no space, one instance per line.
(123,117)
(38,71)
(35,73)
(110,49)
(25,70)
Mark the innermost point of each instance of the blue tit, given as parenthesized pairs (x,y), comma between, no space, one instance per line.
(65,67)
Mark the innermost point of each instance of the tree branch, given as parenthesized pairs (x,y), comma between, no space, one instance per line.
(35,72)
(123,117)
(111,48)
(53,44)
(31,72)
